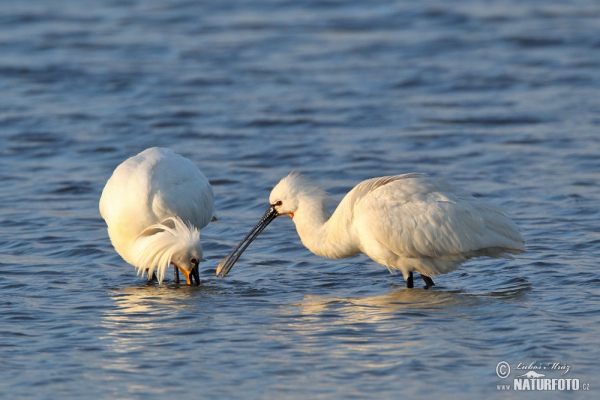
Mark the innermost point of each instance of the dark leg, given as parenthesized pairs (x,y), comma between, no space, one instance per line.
(154,278)
(196,275)
(409,281)
(176,274)
(428,281)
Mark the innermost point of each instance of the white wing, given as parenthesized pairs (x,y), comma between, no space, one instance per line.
(418,217)
(152,186)
(179,188)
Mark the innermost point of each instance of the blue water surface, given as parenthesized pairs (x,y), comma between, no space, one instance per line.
(502,97)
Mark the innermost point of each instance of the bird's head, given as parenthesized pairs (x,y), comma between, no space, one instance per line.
(284,196)
(187,258)
(170,242)
(293,195)
(287,196)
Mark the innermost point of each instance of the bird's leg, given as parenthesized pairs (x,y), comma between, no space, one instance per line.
(409,281)
(176,277)
(428,281)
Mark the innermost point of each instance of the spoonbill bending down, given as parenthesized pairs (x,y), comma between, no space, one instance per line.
(154,204)
(408,222)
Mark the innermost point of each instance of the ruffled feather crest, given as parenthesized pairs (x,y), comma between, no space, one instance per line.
(156,246)
(299,185)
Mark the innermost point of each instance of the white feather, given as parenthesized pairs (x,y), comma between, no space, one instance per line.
(154,205)
(405,222)
(158,244)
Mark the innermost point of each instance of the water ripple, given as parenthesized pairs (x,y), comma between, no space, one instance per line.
(502,99)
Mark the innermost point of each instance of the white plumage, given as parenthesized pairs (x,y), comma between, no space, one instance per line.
(408,222)
(154,204)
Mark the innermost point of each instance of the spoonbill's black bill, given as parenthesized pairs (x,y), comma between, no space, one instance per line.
(227,263)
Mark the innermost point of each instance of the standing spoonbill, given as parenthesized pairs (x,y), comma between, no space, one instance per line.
(154,204)
(409,222)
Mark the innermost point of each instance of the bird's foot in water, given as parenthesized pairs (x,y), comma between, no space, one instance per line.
(411,284)
(428,282)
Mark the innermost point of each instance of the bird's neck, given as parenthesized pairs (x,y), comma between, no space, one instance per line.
(324,234)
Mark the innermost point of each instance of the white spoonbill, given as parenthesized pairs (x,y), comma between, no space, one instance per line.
(154,204)
(408,222)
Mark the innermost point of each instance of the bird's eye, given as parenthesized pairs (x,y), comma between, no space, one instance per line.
(194,261)
(278,203)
